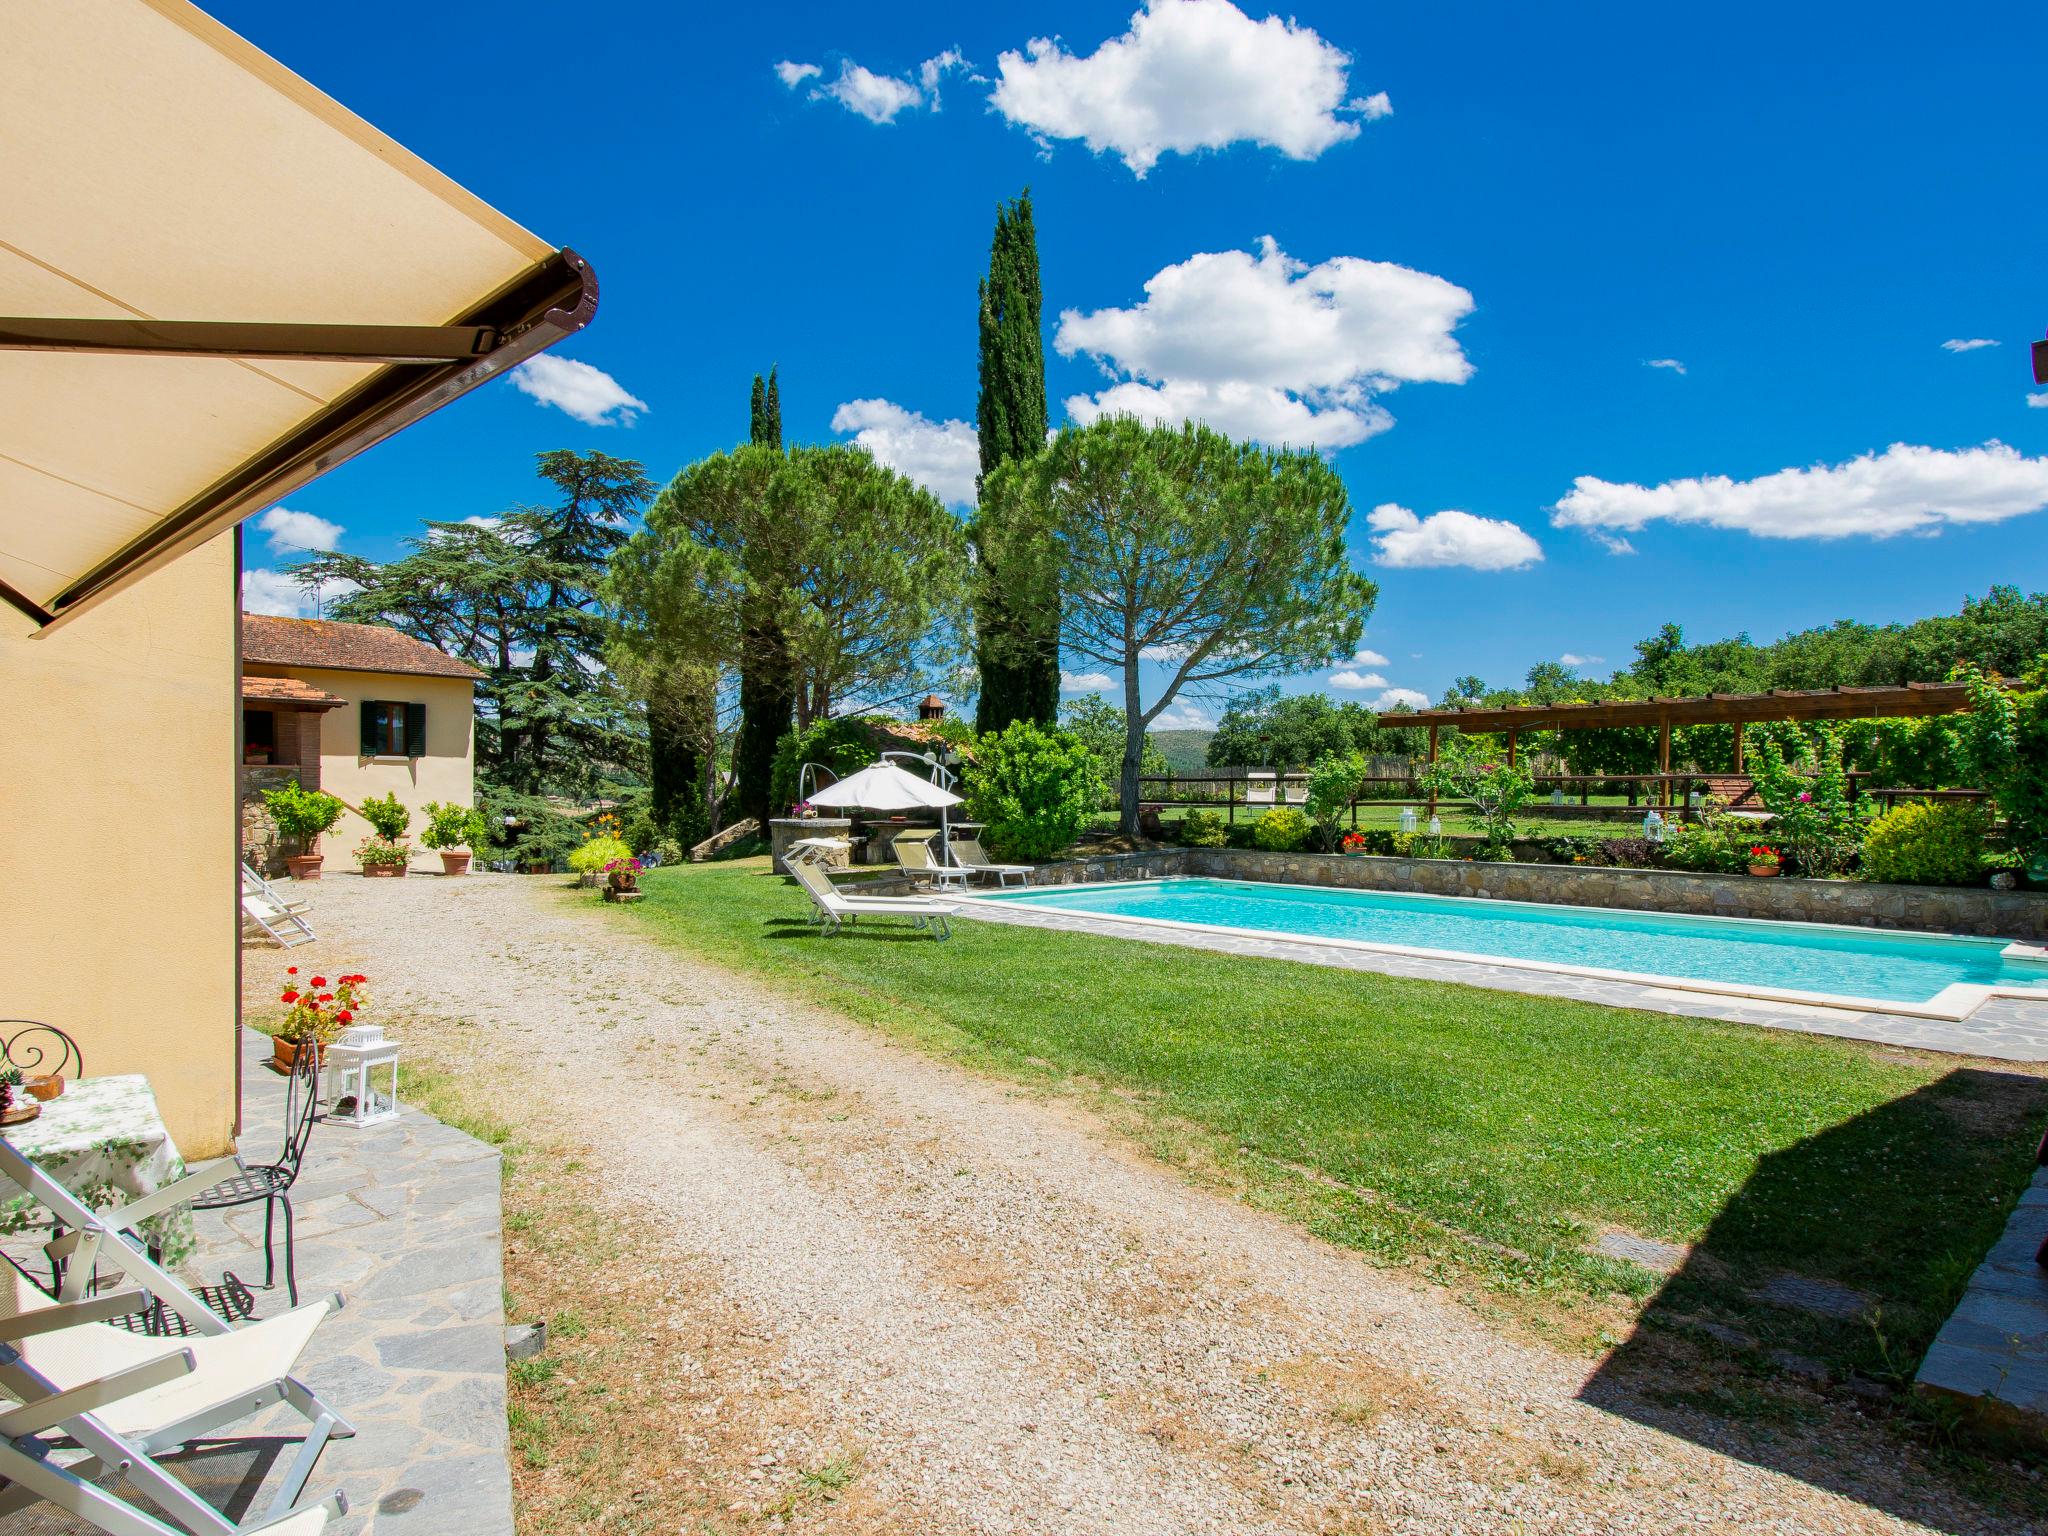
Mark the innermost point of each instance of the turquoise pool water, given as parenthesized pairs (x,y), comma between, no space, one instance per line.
(1799,957)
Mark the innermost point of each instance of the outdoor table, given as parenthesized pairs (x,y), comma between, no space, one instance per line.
(105,1141)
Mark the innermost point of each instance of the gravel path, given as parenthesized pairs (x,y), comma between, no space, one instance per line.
(1023,1324)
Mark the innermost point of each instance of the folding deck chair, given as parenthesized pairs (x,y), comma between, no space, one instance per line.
(966,853)
(277,914)
(108,1400)
(834,907)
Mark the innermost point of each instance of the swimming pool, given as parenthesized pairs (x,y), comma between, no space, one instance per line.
(1938,975)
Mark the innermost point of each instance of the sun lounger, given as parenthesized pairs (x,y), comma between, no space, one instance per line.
(834,907)
(1259,788)
(276,914)
(914,857)
(967,855)
(123,1399)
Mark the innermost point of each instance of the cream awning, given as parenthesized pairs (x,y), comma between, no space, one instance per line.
(207,268)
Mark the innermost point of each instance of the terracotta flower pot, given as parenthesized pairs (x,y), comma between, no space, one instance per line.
(455,861)
(624,879)
(384,871)
(1764,871)
(304,866)
(285,1053)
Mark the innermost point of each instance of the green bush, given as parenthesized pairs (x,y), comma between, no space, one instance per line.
(1710,848)
(1332,783)
(1204,829)
(843,745)
(1927,843)
(598,852)
(453,826)
(1281,830)
(1033,789)
(302,814)
(387,818)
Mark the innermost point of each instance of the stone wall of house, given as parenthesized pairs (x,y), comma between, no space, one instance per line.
(1941,909)
(263,850)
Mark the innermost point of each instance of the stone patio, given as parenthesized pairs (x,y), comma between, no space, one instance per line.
(403,1220)
(1992,1353)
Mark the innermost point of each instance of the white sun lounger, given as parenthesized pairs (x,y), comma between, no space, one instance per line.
(913,851)
(967,855)
(278,915)
(835,908)
(122,1399)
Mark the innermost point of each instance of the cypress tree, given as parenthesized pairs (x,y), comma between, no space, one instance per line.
(1016,638)
(767,677)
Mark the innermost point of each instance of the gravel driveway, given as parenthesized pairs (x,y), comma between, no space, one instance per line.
(1021,1322)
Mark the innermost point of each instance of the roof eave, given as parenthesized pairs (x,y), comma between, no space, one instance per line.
(553,299)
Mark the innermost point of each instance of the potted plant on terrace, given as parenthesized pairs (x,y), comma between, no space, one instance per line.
(319,1014)
(1764,861)
(302,815)
(386,853)
(1353,845)
(598,854)
(622,879)
(453,831)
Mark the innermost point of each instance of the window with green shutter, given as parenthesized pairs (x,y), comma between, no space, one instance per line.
(392,729)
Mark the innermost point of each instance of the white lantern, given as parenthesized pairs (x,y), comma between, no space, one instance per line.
(1436,826)
(352,1064)
(1557,795)
(1653,827)
(1408,819)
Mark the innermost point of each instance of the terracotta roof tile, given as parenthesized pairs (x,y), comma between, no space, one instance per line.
(329,643)
(287,690)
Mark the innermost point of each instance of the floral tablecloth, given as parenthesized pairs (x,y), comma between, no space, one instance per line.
(105,1141)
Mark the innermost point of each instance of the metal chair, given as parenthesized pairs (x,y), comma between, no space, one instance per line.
(38,1047)
(271,1183)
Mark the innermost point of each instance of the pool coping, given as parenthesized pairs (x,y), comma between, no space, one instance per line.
(1953,1004)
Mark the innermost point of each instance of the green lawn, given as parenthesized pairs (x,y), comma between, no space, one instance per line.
(1486,1135)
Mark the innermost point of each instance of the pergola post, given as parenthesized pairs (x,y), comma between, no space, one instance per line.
(1432,763)
(1738,746)
(1664,760)
(1511,749)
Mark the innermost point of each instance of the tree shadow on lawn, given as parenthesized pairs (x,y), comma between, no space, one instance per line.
(1789,1335)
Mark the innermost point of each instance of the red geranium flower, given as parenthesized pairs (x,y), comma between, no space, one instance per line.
(289,997)
(345,1017)
(319,981)
(291,970)
(326,997)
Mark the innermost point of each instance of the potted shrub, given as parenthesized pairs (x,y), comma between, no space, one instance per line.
(318,1014)
(622,879)
(1764,861)
(453,831)
(598,853)
(386,853)
(302,815)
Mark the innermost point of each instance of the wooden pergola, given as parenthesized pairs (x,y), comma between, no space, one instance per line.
(1903,701)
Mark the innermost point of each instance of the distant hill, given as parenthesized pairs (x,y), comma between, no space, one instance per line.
(1186,751)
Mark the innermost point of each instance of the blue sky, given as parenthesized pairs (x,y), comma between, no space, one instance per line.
(1799,205)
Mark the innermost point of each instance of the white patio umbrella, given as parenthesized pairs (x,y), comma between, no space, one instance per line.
(885,787)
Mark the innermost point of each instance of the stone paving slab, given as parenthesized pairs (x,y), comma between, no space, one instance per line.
(2004,1029)
(1993,1352)
(403,1219)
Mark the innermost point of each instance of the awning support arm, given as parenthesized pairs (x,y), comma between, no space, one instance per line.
(251,339)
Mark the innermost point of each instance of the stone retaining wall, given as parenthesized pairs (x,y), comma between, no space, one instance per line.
(263,848)
(1942,909)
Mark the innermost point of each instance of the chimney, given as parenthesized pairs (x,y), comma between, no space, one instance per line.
(933,708)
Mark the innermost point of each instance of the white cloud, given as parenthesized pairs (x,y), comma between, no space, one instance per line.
(478,520)
(1967,344)
(1188,75)
(589,394)
(1266,347)
(1905,489)
(942,456)
(878,98)
(1402,539)
(1573,659)
(279,594)
(1394,697)
(1671,363)
(1184,716)
(1374,107)
(1357,680)
(1085,682)
(289,530)
(1368,659)
(2040,401)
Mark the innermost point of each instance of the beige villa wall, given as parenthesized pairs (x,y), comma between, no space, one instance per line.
(118,734)
(445,772)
